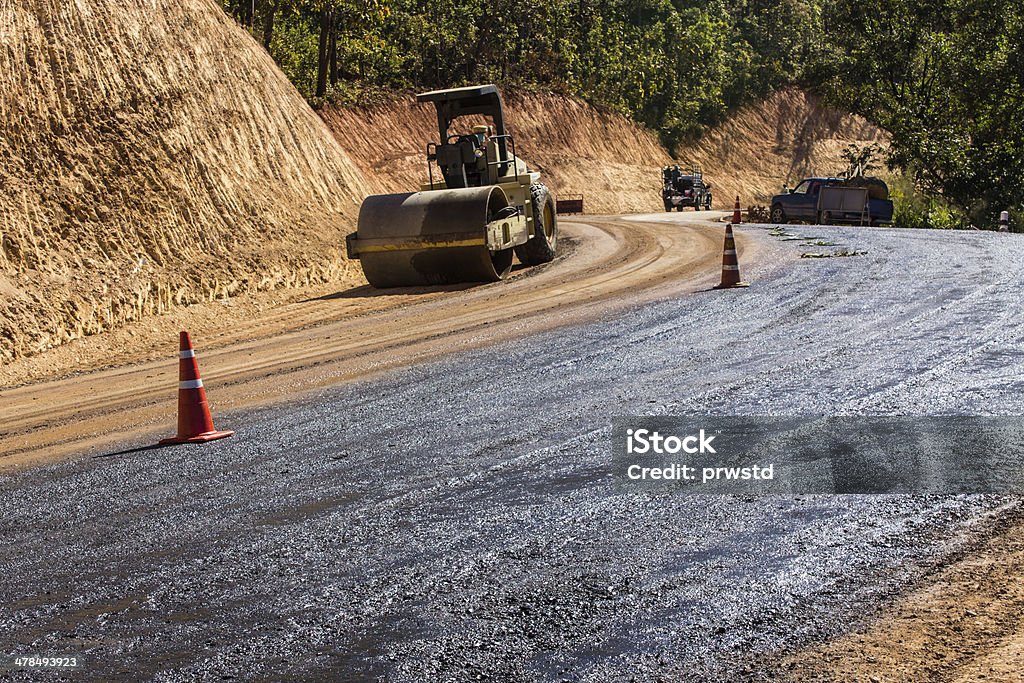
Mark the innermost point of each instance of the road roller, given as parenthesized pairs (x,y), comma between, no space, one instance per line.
(480,205)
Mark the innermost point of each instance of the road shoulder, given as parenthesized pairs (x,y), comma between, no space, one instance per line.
(963,624)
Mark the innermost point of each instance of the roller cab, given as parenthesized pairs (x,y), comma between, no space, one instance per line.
(479,206)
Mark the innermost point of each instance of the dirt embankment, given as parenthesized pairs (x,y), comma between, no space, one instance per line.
(151,156)
(604,156)
(613,162)
(767,145)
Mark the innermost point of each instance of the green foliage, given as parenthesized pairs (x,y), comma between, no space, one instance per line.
(862,160)
(914,208)
(676,66)
(943,76)
(294,48)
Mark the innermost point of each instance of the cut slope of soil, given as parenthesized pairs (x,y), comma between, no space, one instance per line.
(151,155)
(578,149)
(773,143)
(612,161)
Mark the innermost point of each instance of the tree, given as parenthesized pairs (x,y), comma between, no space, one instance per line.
(323,60)
(943,76)
(269,8)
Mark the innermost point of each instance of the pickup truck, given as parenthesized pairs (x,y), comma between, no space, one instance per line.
(862,201)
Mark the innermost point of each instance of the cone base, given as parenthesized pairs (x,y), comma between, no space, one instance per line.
(198,438)
(737,285)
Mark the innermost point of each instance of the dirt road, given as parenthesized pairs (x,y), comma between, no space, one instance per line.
(355,333)
(453,519)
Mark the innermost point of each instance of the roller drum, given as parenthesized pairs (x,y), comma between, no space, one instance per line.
(431,238)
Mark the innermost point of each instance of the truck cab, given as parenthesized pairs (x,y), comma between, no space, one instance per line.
(800,203)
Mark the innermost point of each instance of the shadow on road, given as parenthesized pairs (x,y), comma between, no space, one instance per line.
(130,451)
(368,292)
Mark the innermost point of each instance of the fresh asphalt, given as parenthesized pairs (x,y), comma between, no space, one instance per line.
(456,520)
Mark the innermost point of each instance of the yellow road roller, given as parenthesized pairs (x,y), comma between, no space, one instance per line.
(480,205)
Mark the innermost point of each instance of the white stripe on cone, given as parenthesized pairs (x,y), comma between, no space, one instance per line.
(187,353)
(191,384)
(730,267)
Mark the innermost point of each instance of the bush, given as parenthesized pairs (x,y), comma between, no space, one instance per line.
(915,209)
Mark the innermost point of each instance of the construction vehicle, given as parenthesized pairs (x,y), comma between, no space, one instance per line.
(680,189)
(480,206)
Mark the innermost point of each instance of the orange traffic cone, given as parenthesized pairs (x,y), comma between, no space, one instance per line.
(195,425)
(730,264)
(737,217)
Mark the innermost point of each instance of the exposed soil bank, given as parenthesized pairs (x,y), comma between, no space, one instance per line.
(153,156)
(769,144)
(612,161)
(606,157)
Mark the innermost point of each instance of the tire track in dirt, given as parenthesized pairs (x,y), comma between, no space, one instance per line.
(611,264)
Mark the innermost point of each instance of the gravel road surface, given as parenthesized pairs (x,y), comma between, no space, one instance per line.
(454,520)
